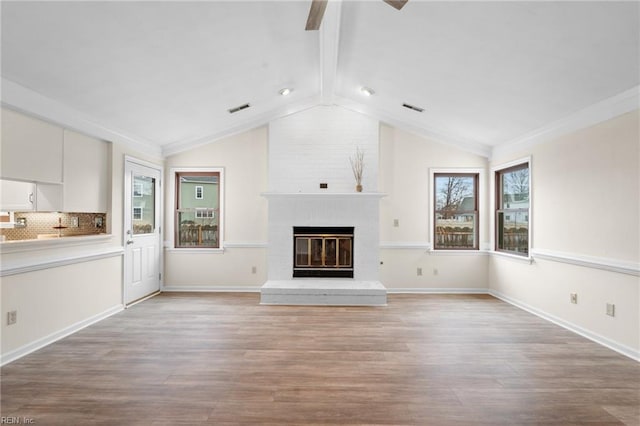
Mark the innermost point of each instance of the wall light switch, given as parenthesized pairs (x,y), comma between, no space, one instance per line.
(396,223)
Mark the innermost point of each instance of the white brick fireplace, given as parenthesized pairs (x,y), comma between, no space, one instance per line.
(305,150)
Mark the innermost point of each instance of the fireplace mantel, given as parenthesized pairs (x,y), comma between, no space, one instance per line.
(323,195)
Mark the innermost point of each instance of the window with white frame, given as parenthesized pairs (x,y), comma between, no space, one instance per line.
(205,214)
(197,217)
(512,209)
(137,213)
(455,213)
(137,190)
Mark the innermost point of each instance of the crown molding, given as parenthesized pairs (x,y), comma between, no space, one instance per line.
(19,98)
(609,108)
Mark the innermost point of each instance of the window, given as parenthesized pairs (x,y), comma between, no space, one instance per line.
(203,214)
(197,218)
(512,209)
(456,211)
(137,213)
(137,190)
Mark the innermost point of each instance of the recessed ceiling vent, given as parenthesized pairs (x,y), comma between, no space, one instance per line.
(413,107)
(239,108)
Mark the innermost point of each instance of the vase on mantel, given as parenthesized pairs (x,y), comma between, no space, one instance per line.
(358,188)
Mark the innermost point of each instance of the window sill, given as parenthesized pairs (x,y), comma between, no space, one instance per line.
(524,259)
(194,250)
(454,252)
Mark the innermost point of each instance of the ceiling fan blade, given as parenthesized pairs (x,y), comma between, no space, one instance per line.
(398,4)
(315,15)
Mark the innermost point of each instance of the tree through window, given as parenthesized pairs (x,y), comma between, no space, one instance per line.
(456,211)
(512,209)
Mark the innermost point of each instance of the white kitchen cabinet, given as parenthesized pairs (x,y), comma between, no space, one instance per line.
(17,196)
(32,149)
(49,197)
(86,173)
(28,196)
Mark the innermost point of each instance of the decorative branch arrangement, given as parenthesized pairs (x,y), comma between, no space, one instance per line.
(357,166)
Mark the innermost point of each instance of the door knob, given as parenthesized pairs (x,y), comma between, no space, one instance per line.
(129,241)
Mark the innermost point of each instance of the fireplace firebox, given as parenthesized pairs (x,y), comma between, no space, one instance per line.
(322,252)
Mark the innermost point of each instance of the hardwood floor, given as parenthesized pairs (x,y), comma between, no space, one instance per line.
(223,359)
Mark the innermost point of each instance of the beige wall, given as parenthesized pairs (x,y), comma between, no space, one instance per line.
(585,198)
(51,300)
(244,159)
(405,161)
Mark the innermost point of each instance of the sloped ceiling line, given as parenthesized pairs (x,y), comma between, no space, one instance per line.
(15,96)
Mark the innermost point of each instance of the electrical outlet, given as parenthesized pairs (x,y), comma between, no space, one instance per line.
(419,272)
(12,317)
(75,222)
(435,271)
(574,298)
(611,309)
(254,269)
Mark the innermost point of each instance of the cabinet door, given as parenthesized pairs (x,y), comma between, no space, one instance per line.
(86,173)
(49,197)
(17,196)
(31,149)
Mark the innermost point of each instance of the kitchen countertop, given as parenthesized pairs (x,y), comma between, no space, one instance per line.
(53,241)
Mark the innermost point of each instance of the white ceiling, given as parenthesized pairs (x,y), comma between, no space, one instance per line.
(166,73)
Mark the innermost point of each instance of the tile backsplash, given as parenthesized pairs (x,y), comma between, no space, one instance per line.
(43,223)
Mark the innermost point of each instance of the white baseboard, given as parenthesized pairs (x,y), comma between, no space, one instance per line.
(443,290)
(206,289)
(620,348)
(53,337)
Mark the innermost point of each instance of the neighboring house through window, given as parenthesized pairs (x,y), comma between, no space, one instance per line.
(512,209)
(137,190)
(198,216)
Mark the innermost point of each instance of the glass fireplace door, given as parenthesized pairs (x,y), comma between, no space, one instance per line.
(323,255)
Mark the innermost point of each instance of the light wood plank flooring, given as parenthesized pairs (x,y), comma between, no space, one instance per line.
(223,359)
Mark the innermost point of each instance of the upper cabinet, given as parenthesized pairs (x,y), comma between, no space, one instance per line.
(17,196)
(70,171)
(86,173)
(32,149)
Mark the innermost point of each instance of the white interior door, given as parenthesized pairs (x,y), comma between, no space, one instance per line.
(142,239)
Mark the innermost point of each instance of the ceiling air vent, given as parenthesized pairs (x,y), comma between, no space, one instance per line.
(239,108)
(415,108)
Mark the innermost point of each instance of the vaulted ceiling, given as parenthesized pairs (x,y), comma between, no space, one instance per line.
(165,74)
